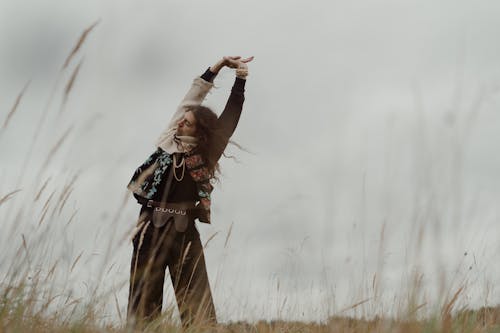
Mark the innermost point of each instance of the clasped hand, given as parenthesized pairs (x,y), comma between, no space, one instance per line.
(236,61)
(232,62)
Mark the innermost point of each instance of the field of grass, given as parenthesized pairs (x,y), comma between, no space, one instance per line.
(36,294)
(23,310)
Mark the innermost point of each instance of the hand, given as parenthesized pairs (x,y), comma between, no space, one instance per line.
(242,70)
(231,62)
(225,61)
(236,62)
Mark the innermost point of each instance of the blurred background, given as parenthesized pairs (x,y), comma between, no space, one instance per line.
(370,131)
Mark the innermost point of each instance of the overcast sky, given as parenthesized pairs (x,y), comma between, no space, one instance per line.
(371,131)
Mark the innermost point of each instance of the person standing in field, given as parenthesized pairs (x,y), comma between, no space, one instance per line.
(173,186)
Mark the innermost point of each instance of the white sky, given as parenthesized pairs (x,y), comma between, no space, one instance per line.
(363,119)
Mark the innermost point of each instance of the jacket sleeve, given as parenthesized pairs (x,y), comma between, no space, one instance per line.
(196,94)
(228,120)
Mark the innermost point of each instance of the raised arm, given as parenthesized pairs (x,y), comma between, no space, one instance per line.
(199,89)
(228,120)
(196,94)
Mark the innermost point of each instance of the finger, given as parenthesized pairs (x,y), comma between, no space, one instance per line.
(234,57)
(232,62)
(247,59)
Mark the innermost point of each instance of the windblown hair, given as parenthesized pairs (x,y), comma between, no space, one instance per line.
(210,137)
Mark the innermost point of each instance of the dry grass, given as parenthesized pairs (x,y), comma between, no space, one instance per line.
(69,84)
(16,104)
(79,43)
(17,315)
(29,302)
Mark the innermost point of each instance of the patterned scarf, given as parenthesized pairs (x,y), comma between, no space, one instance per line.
(149,175)
(201,175)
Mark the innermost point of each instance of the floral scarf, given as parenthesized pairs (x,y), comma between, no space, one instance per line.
(149,175)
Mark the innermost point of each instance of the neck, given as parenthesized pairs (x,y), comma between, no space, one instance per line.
(187,142)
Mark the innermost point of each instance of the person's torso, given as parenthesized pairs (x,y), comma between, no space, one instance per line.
(182,187)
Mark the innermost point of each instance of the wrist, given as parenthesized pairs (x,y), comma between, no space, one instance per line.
(217,67)
(242,72)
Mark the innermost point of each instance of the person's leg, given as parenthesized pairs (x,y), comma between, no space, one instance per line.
(190,280)
(147,271)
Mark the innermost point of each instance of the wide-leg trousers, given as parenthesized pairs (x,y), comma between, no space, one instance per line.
(155,249)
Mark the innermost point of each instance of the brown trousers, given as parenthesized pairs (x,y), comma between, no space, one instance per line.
(154,250)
